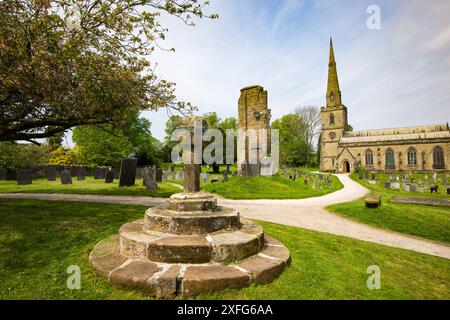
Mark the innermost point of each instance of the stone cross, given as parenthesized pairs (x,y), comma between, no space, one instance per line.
(191,173)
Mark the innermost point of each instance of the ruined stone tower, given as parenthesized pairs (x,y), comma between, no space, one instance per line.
(254,125)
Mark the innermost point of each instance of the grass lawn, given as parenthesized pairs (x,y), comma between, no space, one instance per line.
(418,220)
(39,240)
(276,187)
(89,186)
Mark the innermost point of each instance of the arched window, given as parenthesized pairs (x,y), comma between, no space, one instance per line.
(331,118)
(438,158)
(412,157)
(390,159)
(369,158)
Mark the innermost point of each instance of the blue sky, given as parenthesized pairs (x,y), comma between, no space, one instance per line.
(396,76)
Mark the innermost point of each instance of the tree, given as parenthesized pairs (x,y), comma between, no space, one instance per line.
(65,63)
(66,156)
(15,156)
(107,145)
(293,145)
(310,116)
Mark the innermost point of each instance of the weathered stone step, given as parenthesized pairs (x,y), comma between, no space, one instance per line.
(168,280)
(222,246)
(160,219)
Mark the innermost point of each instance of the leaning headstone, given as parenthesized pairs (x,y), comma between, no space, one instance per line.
(128,173)
(3,173)
(51,173)
(66,178)
(148,175)
(24,177)
(109,176)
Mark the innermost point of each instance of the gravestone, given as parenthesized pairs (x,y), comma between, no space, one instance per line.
(434,177)
(215,180)
(81,173)
(165,176)
(407,188)
(24,177)
(387,185)
(234,174)
(366,175)
(159,175)
(109,178)
(139,173)
(250,170)
(204,177)
(3,173)
(128,173)
(66,178)
(305,182)
(413,188)
(148,175)
(51,173)
(99,173)
(267,167)
(373,176)
(434,189)
(396,186)
(225,176)
(448,191)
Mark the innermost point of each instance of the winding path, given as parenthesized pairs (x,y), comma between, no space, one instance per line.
(307,213)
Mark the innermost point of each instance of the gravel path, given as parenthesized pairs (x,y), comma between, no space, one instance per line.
(307,213)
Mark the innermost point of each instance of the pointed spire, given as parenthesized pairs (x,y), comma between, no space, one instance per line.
(333,90)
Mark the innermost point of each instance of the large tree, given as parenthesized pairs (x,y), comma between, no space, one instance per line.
(65,63)
(293,145)
(310,116)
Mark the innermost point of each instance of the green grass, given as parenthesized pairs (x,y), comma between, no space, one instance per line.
(418,220)
(89,186)
(276,187)
(39,240)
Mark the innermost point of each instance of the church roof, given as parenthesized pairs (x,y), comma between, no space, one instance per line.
(397,134)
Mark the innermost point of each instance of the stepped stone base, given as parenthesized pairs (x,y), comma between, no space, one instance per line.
(182,279)
(188,247)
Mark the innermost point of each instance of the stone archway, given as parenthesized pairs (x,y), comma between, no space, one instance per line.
(346,167)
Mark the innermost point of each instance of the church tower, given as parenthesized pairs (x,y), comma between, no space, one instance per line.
(334,119)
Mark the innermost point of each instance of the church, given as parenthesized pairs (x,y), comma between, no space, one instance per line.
(422,148)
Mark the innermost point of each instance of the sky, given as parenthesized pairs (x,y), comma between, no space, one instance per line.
(396,76)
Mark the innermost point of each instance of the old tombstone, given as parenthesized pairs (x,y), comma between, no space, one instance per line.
(3,173)
(51,173)
(66,177)
(99,173)
(148,175)
(407,187)
(396,186)
(109,178)
(81,173)
(267,167)
(204,177)
(413,188)
(373,177)
(373,201)
(305,182)
(139,173)
(24,177)
(434,179)
(448,191)
(434,189)
(165,176)
(387,185)
(366,175)
(225,176)
(215,180)
(158,175)
(250,170)
(128,173)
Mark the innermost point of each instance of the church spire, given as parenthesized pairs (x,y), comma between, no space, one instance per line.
(333,91)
